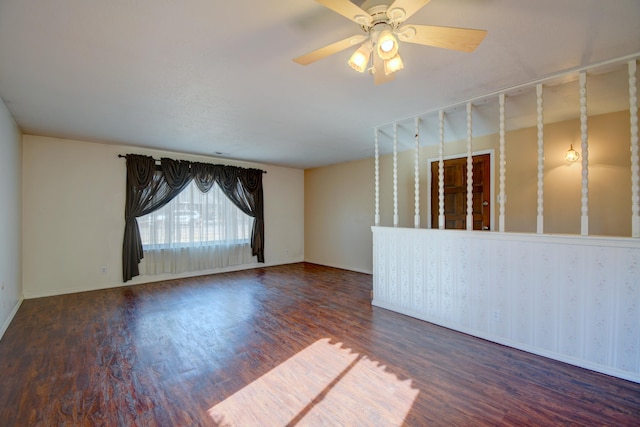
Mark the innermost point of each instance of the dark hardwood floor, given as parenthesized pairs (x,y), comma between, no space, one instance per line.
(278,346)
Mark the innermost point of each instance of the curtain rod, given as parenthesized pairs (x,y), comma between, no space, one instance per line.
(124,156)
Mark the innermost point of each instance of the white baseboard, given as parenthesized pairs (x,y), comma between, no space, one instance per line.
(6,324)
(151,278)
(341,267)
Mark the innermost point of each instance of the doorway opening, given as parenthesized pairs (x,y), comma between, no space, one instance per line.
(455,193)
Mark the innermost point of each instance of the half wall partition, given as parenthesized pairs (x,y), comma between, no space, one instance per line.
(572,293)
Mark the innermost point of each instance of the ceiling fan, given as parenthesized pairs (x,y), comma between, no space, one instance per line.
(383,24)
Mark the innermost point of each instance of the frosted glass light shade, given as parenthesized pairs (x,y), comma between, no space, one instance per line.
(360,59)
(394,64)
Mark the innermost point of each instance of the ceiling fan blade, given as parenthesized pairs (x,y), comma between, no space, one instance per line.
(348,10)
(401,10)
(462,39)
(323,52)
(379,77)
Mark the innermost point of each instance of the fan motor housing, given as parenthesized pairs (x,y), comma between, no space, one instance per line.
(378,10)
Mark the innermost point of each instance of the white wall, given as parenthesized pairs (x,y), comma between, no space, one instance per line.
(570,298)
(10,218)
(73,202)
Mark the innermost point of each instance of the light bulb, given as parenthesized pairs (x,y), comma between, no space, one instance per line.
(387,45)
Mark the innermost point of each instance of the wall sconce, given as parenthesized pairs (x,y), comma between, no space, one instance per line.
(572,155)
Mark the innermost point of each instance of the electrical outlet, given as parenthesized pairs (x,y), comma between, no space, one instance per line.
(104,270)
(496,316)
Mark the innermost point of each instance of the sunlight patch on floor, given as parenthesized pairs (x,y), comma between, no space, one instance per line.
(324,384)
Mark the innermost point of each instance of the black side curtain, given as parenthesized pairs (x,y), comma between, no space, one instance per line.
(151,186)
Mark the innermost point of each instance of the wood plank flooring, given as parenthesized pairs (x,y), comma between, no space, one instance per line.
(279,346)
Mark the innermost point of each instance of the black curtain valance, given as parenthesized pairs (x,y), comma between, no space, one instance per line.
(150,186)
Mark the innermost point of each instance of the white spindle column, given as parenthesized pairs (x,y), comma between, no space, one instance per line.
(584,219)
(540,217)
(441,224)
(416,172)
(377,177)
(635,165)
(503,165)
(469,170)
(396,218)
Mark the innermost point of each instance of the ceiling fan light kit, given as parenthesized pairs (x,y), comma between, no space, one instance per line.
(382,21)
(359,61)
(392,65)
(387,45)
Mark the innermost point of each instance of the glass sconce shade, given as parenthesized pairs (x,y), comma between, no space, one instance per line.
(572,155)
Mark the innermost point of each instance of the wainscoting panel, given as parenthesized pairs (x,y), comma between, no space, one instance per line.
(571,298)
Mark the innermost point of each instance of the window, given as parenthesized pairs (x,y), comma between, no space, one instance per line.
(195,231)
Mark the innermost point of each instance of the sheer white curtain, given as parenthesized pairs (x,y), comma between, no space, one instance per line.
(195,231)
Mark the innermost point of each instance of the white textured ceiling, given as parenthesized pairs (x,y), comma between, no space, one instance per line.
(208,77)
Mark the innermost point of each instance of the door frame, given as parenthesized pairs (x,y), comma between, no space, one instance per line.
(492,202)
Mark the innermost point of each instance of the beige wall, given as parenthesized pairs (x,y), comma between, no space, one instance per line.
(338,212)
(339,199)
(73,200)
(73,208)
(609,177)
(10,218)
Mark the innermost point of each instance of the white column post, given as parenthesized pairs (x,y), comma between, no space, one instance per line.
(635,162)
(441,224)
(395,175)
(377,178)
(416,172)
(540,217)
(584,219)
(469,170)
(503,165)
